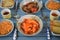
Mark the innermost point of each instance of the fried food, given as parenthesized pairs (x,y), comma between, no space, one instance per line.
(31,7)
(5,27)
(55,26)
(7,3)
(53,5)
(29,26)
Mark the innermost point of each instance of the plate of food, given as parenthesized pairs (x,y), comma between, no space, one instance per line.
(52,5)
(7,4)
(55,27)
(30,25)
(30,7)
(6,27)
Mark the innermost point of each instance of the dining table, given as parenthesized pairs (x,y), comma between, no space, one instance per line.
(42,35)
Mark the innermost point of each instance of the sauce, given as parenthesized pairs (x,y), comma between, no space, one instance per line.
(5,13)
(54,14)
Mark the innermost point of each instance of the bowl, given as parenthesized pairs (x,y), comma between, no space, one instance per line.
(32,17)
(6,13)
(11,29)
(55,28)
(54,17)
(29,1)
(48,2)
(5,7)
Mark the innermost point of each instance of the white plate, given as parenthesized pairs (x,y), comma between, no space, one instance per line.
(47,3)
(11,29)
(27,1)
(31,17)
(5,7)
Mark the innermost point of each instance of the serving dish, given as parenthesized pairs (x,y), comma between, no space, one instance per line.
(24,2)
(7,3)
(5,21)
(55,27)
(51,2)
(34,17)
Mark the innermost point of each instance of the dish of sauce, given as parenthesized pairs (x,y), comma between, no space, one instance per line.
(54,14)
(5,13)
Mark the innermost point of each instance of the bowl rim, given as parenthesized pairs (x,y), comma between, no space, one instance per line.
(11,29)
(6,7)
(40,22)
(55,34)
(21,4)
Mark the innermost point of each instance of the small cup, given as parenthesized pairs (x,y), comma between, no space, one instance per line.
(6,13)
(54,15)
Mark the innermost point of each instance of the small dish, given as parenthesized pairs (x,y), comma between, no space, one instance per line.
(54,14)
(30,17)
(5,29)
(6,13)
(2,1)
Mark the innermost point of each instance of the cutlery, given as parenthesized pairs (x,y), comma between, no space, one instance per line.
(15,34)
(48,33)
(16,16)
(44,17)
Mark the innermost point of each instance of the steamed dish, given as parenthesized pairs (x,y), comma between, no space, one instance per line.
(5,27)
(29,26)
(30,7)
(7,3)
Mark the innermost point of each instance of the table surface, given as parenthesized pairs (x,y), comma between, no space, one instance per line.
(41,36)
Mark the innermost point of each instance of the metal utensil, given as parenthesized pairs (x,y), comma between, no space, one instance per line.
(48,33)
(16,16)
(44,17)
(15,34)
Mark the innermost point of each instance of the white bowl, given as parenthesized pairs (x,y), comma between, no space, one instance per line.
(6,10)
(11,29)
(47,3)
(27,1)
(31,17)
(55,34)
(5,7)
(54,11)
